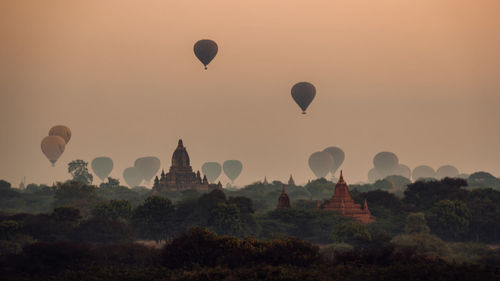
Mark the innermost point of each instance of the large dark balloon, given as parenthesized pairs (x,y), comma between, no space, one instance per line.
(212,170)
(321,163)
(402,170)
(232,169)
(338,157)
(385,163)
(447,171)
(205,50)
(423,172)
(147,167)
(374,175)
(53,148)
(61,131)
(102,167)
(132,177)
(303,94)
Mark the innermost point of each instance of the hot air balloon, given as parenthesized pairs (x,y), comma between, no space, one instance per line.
(385,163)
(374,175)
(102,167)
(132,177)
(232,169)
(303,94)
(147,167)
(423,172)
(53,148)
(447,171)
(62,131)
(402,170)
(321,163)
(212,170)
(205,50)
(338,157)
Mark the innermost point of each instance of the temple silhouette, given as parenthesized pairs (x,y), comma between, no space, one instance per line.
(342,203)
(284,200)
(181,176)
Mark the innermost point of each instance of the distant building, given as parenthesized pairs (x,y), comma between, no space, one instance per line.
(291,182)
(283,201)
(342,203)
(181,176)
(265,181)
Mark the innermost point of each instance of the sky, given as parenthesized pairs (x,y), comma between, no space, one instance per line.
(418,78)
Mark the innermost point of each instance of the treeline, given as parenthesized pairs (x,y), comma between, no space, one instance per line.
(202,255)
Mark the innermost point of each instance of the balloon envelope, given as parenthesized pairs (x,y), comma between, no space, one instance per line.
(447,171)
(385,163)
(53,148)
(205,50)
(102,167)
(147,167)
(212,170)
(303,94)
(338,157)
(232,168)
(61,131)
(321,163)
(374,175)
(132,177)
(423,172)
(403,170)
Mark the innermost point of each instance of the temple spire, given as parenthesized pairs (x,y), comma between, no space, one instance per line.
(180,143)
(283,191)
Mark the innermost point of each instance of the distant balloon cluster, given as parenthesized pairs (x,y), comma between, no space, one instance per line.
(232,169)
(144,169)
(54,144)
(327,161)
(387,164)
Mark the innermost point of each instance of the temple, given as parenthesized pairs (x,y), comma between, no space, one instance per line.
(283,201)
(181,176)
(291,182)
(342,203)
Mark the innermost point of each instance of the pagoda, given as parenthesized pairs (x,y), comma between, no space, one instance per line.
(283,201)
(342,203)
(181,176)
(291,182)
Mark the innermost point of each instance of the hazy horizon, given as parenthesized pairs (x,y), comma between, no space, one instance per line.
(420,79)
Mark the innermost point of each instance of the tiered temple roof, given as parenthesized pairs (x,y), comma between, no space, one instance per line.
(343,203)
(181,176)
(283,201)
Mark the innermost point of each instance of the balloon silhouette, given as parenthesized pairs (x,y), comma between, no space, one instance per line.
(102,167)
(303,94)
(402,170)
(321,163)
(374,175)
(53,148)
(338,157)
(147,167)
(447,171)
(385,163)
(205,50)
(132,177)
(423,172)
(212,170)
(61,131)
(232,169)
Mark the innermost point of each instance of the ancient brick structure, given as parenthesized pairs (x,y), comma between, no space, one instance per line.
(181,176)
(283,201)
(342,203)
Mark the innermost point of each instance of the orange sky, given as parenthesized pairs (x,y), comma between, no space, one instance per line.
(419,78)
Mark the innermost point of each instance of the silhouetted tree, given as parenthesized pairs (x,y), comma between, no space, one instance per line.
(79,171)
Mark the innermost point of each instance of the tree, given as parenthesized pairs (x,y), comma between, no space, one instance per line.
(416,223)
(78,169)
(115,210)
(423,195)
(112,182)
(352,232)
(5,184)
(154,218)
(450,219)
(225,219)
(77,195)
(420,243)
(67,215)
